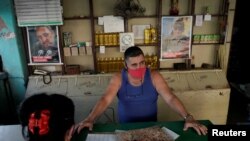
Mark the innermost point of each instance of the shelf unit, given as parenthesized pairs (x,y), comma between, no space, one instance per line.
(90,17)
(219,18)
(198,89)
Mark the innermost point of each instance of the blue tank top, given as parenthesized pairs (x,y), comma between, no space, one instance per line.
(137,103)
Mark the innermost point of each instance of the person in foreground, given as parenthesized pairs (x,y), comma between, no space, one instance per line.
(137,89)
(47,117)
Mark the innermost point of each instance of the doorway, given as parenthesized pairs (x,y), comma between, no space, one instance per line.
(238,73)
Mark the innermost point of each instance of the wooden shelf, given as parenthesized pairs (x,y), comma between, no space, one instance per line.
(207,43)
(146,16)
(158,18)
(77,18)
(108,46)
(150,44)
(140,44)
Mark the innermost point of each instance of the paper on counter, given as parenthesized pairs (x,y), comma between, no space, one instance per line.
(101,137)
(113,137)
(11,133)
(171,133)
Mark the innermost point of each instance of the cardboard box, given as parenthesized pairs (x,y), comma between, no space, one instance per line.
(74,51)
(72,69)
(82,51)
(67,51)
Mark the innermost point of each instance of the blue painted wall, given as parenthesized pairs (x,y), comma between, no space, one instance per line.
(12,52)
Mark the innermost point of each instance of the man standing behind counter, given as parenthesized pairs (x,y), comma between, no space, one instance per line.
(137,88)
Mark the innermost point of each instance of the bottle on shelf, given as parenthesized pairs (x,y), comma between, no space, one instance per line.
(147,36)
(153,33)
(121,65)
(99,65)
(114,38)
(97,38)
(107,59)
(110,38)
(115,64)
(110,65)
(118,39)
(103,65)
(106,39)
(101,39)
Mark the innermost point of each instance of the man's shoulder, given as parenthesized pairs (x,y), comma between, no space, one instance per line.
(117,75)
(116,79)
(155,74)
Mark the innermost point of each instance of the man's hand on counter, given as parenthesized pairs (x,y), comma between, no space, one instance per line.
(191,122)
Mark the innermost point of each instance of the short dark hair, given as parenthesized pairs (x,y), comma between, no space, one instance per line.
(61,116)
(133,51)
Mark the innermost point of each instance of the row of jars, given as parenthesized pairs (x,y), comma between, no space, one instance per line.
(106,39)
(109,64)
(112,39)
(116,64)
(206,38)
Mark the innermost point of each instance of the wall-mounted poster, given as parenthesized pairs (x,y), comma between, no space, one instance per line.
(176,35)
(43,44)
(126,40)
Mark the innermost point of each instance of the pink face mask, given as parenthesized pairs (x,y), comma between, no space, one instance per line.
(137,73)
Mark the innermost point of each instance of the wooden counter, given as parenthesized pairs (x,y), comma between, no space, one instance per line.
(205,93)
